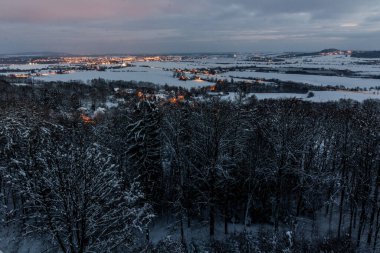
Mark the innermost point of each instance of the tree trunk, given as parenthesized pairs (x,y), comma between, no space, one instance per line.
(374,208)
(352,214)
(361,224)
(212,221)
(226,218)
(247,211)
(341,212)
(377,229)
(182,230)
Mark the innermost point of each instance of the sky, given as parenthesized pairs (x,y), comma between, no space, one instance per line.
(186,26)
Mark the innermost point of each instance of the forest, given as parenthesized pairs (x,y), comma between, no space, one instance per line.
(254,176)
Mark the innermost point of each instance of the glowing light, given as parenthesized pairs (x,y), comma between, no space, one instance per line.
(173,100)
(213,88)
(87,120)
(140,94)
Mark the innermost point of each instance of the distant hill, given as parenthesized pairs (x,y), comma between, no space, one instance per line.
(330,50)
(322,52)
(35,54)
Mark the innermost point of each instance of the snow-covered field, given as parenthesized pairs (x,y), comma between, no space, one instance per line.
(25,66)
(309,79)
(160,72)
(138,74)
(319,96)
(328,62)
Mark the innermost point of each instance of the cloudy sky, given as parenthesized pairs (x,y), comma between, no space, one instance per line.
(168,26)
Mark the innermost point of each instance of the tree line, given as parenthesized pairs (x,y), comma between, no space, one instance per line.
(273,164)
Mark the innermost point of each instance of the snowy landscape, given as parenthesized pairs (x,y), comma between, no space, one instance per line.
(199,151)
(203,126)
(364,74)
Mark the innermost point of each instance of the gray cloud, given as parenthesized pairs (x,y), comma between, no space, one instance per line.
(97,26)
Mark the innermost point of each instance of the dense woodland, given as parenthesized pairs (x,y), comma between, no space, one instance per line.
(102,182)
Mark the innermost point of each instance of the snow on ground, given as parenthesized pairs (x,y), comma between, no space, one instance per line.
(325,96)
(330,62)
(212,62)
(198,232)
(309,79)
(156,71)
(319,96)
(304,228)
(20,84)
(111,104)
(156,76)
(13,241)
(26,67)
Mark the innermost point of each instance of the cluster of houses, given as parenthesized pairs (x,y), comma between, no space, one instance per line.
(193,74)
(336,52)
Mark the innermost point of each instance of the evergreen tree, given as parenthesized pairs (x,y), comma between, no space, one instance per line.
(144,149)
